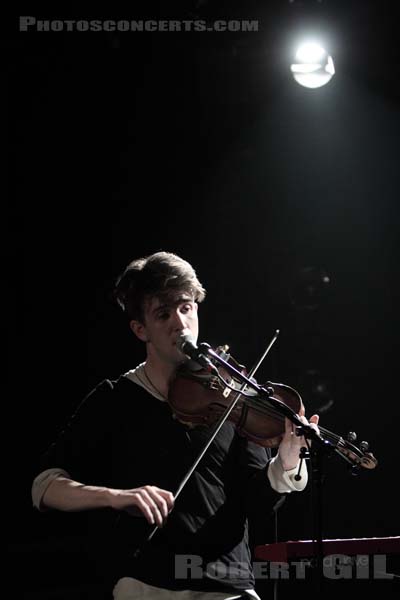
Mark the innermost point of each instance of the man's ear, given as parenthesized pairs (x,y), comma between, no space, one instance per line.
(139,330)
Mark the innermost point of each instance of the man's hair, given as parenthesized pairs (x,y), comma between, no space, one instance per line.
(158,275)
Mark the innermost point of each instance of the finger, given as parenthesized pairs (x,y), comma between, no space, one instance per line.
(304,421)
(312,422)
(288,426)
(143,507)
(152,504)
(168,497)
(158,499)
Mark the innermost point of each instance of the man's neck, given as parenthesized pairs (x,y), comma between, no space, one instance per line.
(160,374)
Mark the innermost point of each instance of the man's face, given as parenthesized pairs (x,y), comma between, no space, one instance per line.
(164,322)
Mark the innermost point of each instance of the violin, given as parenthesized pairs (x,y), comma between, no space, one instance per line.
(199,397)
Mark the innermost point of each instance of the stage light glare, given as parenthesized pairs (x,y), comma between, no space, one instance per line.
(310,53)
(313,67)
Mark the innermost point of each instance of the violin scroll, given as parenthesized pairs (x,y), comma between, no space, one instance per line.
(358,456)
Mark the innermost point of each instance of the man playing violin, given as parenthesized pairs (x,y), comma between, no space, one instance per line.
(123,452)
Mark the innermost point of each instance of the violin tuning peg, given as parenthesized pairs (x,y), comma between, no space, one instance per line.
(364,446)
(351,437)
(223,349)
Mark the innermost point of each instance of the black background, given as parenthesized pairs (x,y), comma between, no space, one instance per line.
(122,144)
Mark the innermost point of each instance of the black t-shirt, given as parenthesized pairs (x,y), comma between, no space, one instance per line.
(123,437)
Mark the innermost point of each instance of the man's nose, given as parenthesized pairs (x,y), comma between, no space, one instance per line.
(179,320)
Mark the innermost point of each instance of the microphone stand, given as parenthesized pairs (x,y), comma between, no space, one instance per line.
(275,509)
(316,491)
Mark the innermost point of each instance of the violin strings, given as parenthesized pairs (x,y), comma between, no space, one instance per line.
(259,404)
(337,440)
(272,412)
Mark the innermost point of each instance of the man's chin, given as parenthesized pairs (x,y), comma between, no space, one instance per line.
(177,358)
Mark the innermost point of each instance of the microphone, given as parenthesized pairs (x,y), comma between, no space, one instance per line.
(186,344)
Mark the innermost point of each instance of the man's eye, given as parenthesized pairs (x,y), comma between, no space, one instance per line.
(164,316)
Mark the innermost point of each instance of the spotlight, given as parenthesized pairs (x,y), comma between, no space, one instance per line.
(313,67)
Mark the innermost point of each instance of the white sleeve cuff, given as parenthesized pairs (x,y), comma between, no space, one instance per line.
(42,482)
(284,481)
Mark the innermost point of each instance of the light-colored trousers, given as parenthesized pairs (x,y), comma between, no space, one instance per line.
(128,588)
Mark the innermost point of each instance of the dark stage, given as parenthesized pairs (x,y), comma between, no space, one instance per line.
(286,201)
